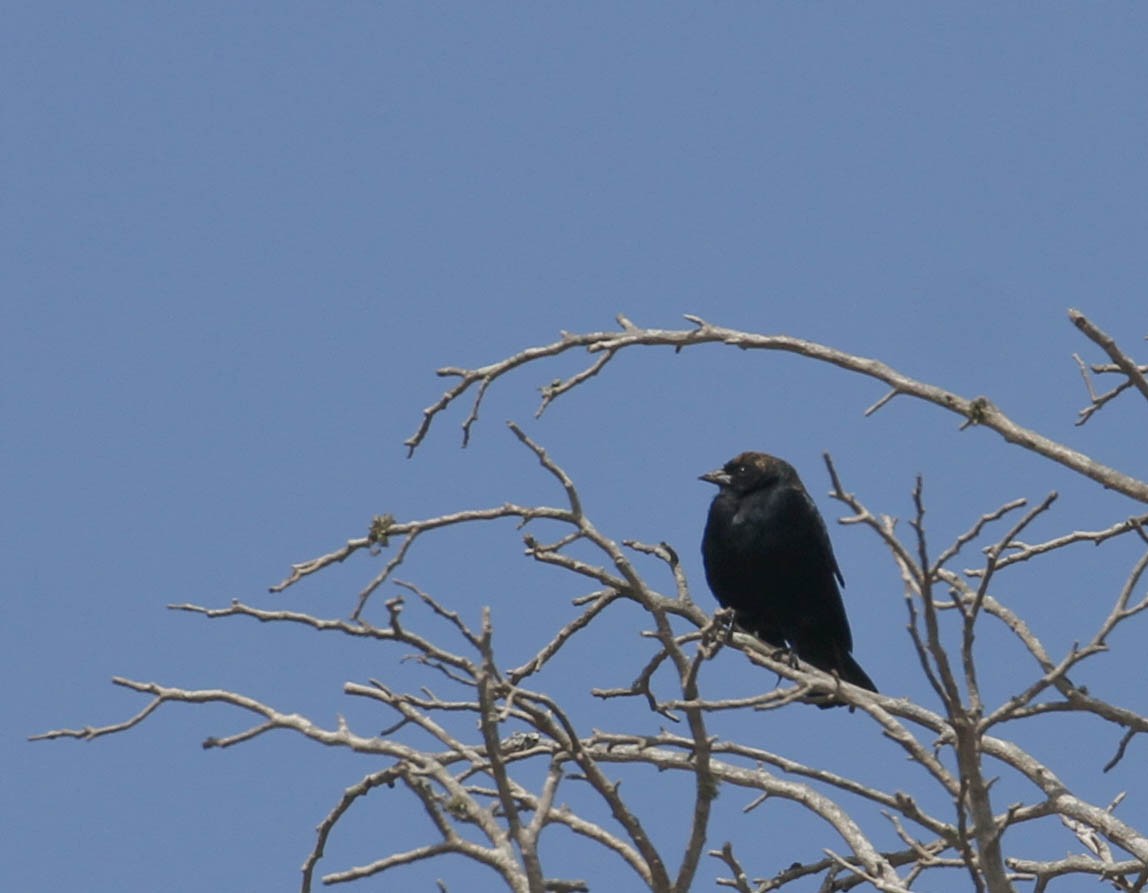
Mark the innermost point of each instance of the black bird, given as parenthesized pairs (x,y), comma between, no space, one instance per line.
(767,555)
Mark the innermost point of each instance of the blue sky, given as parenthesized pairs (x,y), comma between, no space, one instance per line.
(240,238)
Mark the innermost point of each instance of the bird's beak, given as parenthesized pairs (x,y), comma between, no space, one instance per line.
(717,476)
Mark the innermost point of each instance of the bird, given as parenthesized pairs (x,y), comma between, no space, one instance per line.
(767,555)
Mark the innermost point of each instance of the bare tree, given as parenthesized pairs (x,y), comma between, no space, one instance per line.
(479,787)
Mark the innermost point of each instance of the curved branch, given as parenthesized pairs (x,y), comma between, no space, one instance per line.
(974,411)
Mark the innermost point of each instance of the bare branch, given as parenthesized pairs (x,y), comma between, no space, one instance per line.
(486,762)
(666,553)
(413,528)
(978,411)
(739,881)
(602,600)
(1099,401)
(350,796)
(1121,748)
(561,476)
(1110,871)
(90,733)
(975,531)
(1108,345)
(1024,551)
(556,389)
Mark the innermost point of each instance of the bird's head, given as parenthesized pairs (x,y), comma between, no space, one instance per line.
(751,471)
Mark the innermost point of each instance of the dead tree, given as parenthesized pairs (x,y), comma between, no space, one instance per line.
(479,790)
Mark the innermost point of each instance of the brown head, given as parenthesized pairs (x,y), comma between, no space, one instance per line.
(751,471)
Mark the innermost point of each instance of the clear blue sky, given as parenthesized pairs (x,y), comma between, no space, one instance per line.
(240,238)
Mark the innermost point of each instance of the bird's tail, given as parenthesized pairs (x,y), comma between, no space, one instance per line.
(844,667)
(850,671)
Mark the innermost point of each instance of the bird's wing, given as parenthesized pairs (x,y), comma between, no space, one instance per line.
(827,570)
(823,535)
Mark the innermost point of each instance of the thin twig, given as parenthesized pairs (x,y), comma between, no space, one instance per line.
(1106,343)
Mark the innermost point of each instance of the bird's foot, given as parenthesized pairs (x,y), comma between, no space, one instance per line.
(785,654)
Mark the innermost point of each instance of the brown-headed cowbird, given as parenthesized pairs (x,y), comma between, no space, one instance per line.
(767,555)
